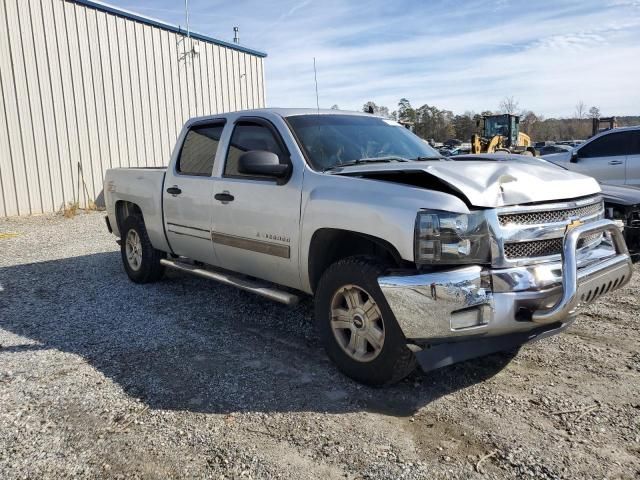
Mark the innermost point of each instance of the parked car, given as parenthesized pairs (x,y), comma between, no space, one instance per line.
(408,256)
(621,203)
(612,156)
(571,143)
(452,152)
(452,143)
(556,148)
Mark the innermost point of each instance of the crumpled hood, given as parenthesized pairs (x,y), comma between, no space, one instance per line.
(494,184)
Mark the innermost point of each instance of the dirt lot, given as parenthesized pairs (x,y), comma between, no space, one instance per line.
(187,378)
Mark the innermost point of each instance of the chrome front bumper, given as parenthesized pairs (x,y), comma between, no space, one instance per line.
(472,302)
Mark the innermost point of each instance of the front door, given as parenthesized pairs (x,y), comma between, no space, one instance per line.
(188,194)
(604,158)
(255,226)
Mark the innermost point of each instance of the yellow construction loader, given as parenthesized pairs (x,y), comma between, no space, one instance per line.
(501,133)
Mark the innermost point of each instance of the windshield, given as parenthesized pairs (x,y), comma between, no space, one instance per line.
(496,126)
(333,140)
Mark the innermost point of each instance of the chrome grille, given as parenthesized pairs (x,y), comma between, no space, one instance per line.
(536,232)
(550,216)
(589,239)
(543,248)
(537,248)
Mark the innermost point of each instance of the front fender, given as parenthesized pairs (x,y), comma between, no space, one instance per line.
(376,208)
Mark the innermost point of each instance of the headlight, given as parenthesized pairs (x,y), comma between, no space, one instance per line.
(443,237)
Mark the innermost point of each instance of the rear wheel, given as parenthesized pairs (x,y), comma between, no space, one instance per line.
(356,325)
(141,261)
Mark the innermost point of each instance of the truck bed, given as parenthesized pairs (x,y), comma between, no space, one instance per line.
(142,186)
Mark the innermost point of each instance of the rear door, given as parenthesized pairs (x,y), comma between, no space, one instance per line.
(604,158)
(633,160)
(256,220)
(188,193)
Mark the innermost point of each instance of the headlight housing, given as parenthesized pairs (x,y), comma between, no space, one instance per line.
(451,238)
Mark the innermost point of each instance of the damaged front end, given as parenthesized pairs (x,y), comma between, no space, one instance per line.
(545,262)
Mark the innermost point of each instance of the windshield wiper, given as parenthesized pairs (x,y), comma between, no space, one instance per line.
(360,161)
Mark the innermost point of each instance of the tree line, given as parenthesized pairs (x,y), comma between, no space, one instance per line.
(431,122)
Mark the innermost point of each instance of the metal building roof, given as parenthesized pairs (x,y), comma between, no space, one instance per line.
(105,7)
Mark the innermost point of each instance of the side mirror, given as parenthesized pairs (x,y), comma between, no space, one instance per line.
(260,162)
(574,156)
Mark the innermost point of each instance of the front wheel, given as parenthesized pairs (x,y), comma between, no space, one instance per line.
(141,261)
(357,327)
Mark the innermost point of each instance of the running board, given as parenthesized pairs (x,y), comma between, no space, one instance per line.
(249,285)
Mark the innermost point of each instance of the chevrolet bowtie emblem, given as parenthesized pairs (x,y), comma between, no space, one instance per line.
(574,224)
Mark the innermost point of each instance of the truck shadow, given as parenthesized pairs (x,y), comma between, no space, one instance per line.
(189,344)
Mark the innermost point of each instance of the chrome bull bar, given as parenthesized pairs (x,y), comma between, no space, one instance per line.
(587,284)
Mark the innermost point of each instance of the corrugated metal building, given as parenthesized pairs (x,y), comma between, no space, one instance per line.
(85,87)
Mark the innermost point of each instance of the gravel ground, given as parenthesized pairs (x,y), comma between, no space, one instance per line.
(100,377)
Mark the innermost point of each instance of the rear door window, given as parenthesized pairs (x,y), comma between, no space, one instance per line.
(610,145)
(199,150)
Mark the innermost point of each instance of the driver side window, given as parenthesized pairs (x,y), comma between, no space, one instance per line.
(611,145)
(249,136)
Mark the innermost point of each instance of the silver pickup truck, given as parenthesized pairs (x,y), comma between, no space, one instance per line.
(409,256)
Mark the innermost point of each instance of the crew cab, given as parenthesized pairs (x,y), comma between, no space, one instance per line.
(410,257)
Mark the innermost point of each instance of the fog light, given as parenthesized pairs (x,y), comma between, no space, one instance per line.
(467,318)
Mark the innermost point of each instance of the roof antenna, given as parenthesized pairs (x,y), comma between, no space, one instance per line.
(315,77)
(236,37)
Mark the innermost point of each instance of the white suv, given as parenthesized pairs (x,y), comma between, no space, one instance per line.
(612,156)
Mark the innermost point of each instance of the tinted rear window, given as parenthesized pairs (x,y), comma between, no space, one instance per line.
(199,150)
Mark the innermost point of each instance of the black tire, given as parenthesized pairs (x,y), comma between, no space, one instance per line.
(149,269)
(394,361)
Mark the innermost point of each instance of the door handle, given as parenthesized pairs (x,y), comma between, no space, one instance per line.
(615,162)
(224,197)
(175,190)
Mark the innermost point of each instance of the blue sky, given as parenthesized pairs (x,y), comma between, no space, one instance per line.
(459,55)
